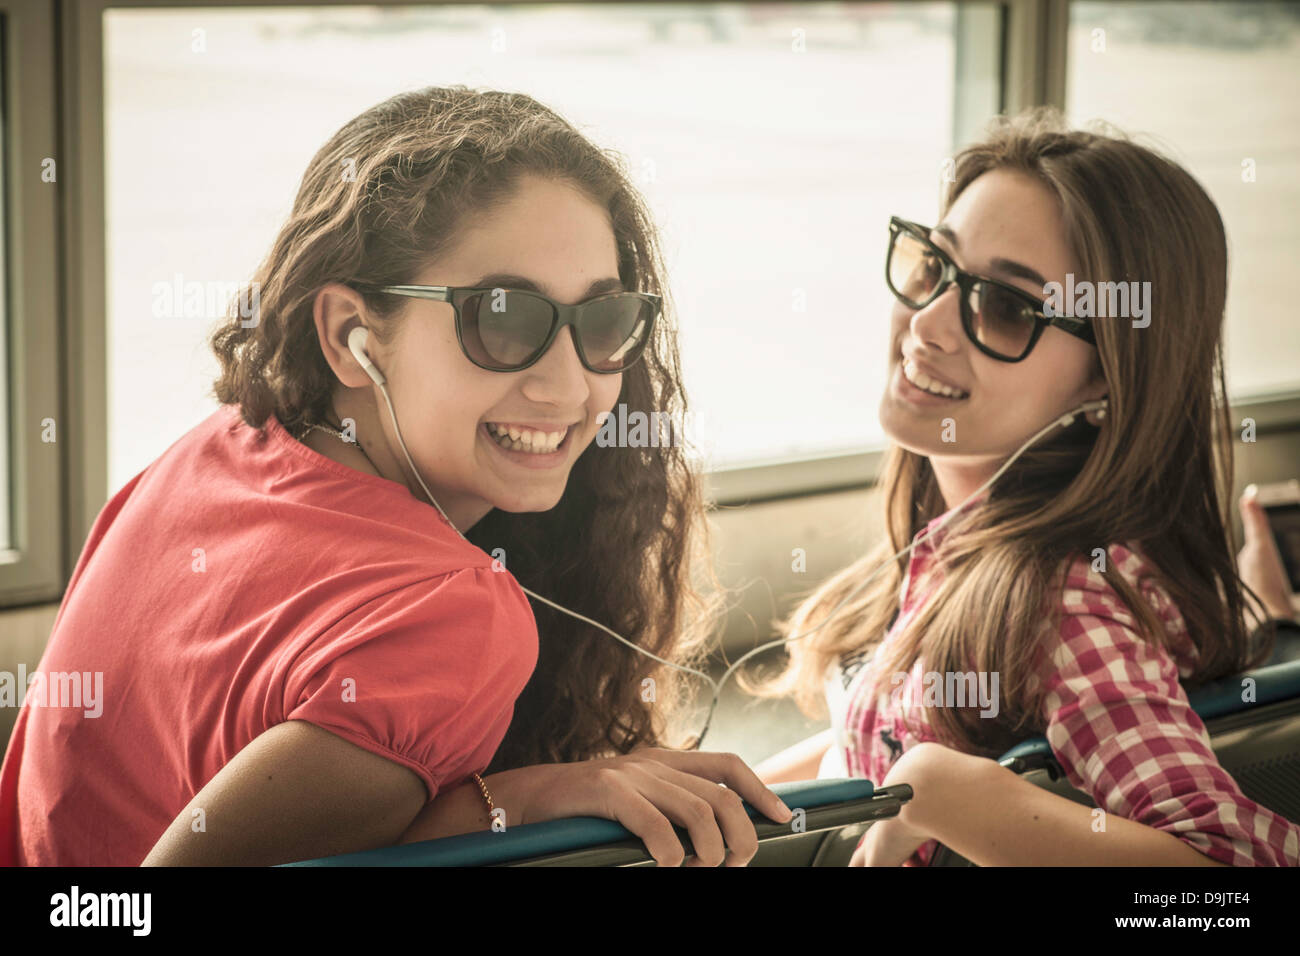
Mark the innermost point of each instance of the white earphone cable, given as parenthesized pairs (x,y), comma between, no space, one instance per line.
(357,344)
(586,620)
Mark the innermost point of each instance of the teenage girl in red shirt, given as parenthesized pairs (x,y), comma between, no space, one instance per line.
(336,686)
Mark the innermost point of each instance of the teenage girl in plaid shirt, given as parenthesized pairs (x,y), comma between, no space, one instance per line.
(1095,578)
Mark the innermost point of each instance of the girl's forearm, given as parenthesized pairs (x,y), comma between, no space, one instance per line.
(462,809)
(799,762)
(994,817)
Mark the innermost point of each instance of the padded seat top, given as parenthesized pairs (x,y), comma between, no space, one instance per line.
(559,836)
(1274,683)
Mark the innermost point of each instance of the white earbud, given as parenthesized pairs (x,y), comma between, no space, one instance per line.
(1098,406)
(357,345)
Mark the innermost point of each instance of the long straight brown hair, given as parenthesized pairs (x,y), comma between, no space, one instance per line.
(384,196)
(1158,473)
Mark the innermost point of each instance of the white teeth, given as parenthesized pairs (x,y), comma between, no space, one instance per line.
(925,383)
(521,439)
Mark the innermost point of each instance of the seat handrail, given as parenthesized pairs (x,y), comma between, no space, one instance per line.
(537,840)
(1271,684)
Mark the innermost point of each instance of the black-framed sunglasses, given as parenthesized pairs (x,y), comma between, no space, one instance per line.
(507,330)
(1004,322)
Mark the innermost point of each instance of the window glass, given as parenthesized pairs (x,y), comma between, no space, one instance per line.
(771,141)
(1214,87)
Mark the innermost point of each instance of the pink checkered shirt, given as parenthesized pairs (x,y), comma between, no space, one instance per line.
(1117,718)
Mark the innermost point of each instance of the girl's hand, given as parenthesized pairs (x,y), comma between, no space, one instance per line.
(1259,563)
(890,842)
(887,843)
(648,791)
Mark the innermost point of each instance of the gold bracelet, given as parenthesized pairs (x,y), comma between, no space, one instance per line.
(486,796)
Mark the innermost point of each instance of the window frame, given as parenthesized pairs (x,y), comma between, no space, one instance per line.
(32,567)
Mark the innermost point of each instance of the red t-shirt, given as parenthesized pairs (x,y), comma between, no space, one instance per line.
(239,581)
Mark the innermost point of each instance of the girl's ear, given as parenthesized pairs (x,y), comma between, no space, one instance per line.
(1098,416)
(338,310)
(1098,390)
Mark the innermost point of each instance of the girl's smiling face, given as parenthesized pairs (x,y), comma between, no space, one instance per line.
(1007,226)
(547,236)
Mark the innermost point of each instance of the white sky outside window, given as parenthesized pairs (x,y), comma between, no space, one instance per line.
(771,174)
(1214,86)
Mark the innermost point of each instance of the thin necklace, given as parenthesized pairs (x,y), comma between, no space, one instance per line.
(341,437)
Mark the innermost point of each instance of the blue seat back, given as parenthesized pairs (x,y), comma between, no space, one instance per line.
(541,840)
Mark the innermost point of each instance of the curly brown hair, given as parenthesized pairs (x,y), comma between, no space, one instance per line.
(379,201)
